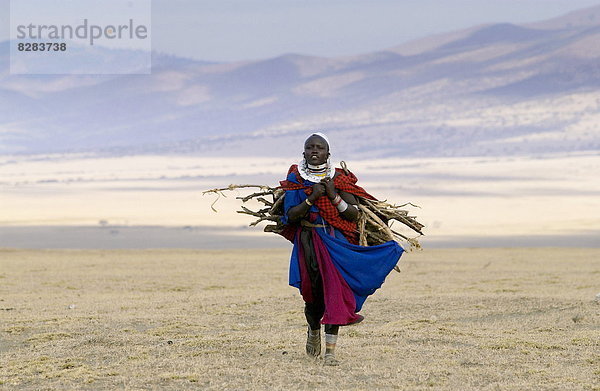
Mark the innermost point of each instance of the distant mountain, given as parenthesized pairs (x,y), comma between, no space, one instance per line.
(491,89)
(577,19)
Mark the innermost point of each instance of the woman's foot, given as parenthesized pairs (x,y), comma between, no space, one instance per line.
(313,342)
(329,356)
(330,360)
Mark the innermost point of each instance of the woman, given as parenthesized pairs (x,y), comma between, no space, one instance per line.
(333,273)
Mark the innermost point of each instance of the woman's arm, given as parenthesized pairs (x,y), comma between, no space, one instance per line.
(351,213)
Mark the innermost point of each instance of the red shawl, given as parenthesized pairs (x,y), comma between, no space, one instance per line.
(343,182)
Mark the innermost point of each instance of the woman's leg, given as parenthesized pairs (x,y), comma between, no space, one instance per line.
(313,311)
(331,335)
(332,329)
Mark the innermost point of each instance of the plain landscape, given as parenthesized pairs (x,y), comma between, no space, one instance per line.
(116,273)
(465,319)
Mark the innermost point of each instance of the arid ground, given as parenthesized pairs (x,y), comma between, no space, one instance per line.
(463,319)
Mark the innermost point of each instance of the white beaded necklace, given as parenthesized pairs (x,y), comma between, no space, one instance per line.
(309,172)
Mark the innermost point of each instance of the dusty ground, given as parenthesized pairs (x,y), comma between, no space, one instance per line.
(500,319)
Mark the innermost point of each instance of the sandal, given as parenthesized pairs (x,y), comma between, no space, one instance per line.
(330,360)
(313,344)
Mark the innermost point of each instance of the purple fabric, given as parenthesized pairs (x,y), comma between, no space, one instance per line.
(339,299)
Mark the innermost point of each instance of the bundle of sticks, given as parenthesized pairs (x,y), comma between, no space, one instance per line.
(374,223)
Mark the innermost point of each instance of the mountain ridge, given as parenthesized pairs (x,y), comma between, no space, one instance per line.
(438,95)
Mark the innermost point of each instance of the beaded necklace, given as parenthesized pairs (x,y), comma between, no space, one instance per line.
(315,173)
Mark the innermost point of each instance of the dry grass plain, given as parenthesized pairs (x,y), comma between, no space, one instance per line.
(468,319)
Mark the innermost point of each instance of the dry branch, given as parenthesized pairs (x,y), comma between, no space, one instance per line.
(266,218)
(219,192)
(361,224)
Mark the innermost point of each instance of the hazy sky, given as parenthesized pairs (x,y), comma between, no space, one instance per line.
(228,30)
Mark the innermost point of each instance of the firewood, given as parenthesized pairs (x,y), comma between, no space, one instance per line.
(373,224)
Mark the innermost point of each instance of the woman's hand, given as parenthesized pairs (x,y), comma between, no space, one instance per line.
(329,187)
(296,213)
(318,190)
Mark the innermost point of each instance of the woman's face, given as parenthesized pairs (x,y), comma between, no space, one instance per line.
(316,150)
